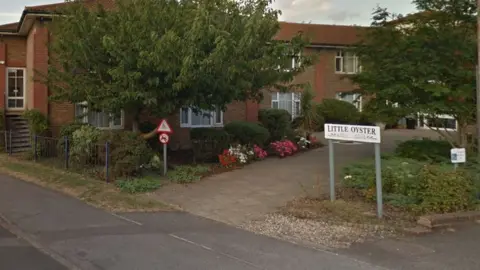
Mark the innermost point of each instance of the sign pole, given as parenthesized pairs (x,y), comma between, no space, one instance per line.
(332,169)
(164,159)
(378,176)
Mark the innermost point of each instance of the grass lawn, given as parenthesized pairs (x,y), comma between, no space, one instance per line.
(91,191)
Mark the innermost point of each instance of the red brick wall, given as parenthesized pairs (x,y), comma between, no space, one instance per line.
(16,52)
(2,75)
(40,64)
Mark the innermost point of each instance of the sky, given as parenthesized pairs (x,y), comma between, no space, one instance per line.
(343,12)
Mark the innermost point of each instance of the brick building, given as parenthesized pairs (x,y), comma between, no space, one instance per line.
(23,49)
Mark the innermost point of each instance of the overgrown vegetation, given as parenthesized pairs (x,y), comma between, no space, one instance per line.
(139,185)
(424,149)
(37,122)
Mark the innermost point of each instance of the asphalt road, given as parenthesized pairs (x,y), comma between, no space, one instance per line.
(16,253)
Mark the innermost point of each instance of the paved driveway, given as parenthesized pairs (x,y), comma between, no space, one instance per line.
(260,188)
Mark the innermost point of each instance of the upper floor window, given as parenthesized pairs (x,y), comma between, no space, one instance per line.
(287,101)
(200,118)
(291,62)
(352,98)
(99,119)
(346,62)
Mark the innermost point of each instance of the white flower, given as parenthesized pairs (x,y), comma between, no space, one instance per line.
(347,177)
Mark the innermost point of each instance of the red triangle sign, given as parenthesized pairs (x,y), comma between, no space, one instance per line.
(164,127)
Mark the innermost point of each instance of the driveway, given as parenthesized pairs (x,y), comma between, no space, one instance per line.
(248,194)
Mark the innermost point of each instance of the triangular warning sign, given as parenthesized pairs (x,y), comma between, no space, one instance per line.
(164,127)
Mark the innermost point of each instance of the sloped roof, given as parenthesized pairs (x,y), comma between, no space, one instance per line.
(107,4)
(9,27)
(323,34)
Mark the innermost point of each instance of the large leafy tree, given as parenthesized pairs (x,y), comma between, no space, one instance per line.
(423,63)
(155,56)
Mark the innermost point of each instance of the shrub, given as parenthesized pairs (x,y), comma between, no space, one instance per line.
(208,143)
(414,185)
(67,131)
(227,160)
(187,174)
(139,185)
(283,148)
(424,150)
(83,148)
(444,190)
(129,152)
(277,122)
(37,122)
(247,133)
(338,112)
(259,152)
(153,142)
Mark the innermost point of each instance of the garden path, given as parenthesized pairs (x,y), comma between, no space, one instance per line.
(247,194)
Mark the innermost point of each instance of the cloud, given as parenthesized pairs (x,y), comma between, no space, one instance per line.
(302,10)
(6,14)
(342,16)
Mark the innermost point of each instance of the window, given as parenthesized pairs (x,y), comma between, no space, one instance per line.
(441,122)
(346,62)
(292,62)
(98,119)
(287,101)
(15,88)
(352,98)
(200,118)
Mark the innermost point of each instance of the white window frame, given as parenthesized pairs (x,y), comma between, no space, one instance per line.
(7,69)
(296,63)
(440,116)
(112,126)
(296,98)
(213,119)
(340,55)
(357,99)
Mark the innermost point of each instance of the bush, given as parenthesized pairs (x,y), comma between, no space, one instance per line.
(247,133)
(37,122)
(83,147)
(187,174)
(444,190)
(139,185)
(424,150)
(154,143)
(336,111)
(67,131)
(208,143)
(277,122)
(129,152)
(414,185)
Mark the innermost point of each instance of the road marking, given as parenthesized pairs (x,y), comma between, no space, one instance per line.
(215,251)
(126,219)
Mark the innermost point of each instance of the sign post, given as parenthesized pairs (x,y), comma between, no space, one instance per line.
(356,133)
(164,129)
(458,155)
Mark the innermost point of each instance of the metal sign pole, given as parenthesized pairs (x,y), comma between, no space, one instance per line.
(164,159)
(332,170)
(378,176)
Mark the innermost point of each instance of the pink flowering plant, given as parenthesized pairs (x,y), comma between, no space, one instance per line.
(284,148)
(259,152)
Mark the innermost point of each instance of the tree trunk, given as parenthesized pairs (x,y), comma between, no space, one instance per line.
(135,125)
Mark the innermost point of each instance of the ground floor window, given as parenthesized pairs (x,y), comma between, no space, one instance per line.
(287,101)
(99,119)
(447,122)
(15,88)
(192,118)
(352,98)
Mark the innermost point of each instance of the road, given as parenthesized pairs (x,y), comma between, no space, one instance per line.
(88,238)
(16,253)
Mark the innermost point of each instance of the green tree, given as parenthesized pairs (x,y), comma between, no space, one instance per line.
(423,63)
(157,56)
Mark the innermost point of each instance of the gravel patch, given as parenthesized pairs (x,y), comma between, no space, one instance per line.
(314,233)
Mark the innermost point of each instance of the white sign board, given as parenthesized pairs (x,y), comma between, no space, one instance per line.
(164,127)
(458,155)
(367,134)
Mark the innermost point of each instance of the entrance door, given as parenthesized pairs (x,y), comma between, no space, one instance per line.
(15,93)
